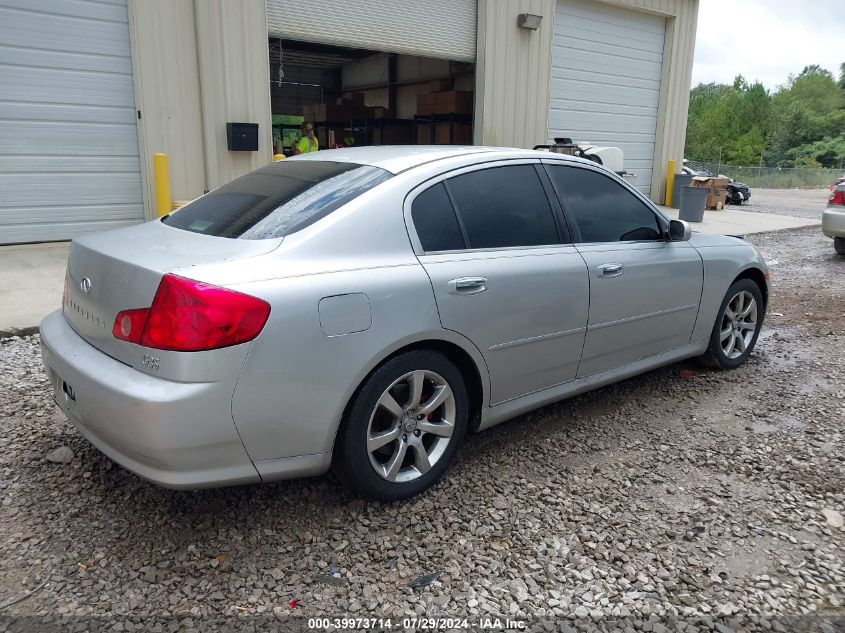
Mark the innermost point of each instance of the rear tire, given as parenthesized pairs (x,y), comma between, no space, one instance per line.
(839,245)
(403,427)
(737,326)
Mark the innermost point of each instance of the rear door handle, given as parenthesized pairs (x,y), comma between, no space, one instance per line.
(467,285)
(611,270)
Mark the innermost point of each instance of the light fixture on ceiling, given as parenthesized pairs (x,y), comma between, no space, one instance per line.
(529,21)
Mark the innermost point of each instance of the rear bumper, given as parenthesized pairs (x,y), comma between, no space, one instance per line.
(833,221)
(177,435)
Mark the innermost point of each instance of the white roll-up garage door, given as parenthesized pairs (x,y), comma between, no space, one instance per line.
(605,87)
(68,133)
(434,28)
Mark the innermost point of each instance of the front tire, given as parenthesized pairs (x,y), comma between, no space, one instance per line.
(839,245)
(403,427)
(737,326)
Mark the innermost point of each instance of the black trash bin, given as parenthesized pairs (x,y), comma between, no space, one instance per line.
(693,201)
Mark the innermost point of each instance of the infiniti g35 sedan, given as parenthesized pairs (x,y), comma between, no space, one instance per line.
(361,309)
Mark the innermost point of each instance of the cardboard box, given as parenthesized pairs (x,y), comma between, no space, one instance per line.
(452,101)
(441,85)
(710,181)
(449,102)
(331,112)
(326,134)
(380,112)
(351,99)
(716,190)
(424,103)
(461,134)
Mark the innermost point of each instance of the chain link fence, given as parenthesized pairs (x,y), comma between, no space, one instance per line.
(772,177)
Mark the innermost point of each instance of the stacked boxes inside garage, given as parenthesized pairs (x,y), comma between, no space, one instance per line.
(348,116)
(444,115)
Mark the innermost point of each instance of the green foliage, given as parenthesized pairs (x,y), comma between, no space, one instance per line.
(801,124)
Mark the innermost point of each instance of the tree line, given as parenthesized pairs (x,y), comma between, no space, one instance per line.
(801,124)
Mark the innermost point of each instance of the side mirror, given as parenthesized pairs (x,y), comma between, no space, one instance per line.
(679,231)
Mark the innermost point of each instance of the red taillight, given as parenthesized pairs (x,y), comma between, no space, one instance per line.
(837,196)
(190,316)
(129,324)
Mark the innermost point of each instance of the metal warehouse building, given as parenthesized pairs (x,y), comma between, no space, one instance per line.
(90,89)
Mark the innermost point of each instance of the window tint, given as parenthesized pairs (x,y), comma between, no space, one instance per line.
(504,206)
(277,200)
(435,221)
(603,209)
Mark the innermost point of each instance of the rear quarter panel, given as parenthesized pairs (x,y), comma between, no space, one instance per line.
(725,258)
(297,379)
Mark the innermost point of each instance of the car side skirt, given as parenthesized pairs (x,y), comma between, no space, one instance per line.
(293,467)
(507,410)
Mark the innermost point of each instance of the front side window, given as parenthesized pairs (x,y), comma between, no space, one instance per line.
(503,207)
(276,200)
(602,208)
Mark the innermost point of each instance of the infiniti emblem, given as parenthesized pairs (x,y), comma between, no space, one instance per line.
(85,285)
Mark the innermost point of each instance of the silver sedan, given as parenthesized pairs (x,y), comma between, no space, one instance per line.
(362,309)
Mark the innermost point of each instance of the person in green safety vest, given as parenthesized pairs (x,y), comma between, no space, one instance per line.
(308,142)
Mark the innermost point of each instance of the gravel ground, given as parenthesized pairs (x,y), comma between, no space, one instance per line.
(681,500)
(800,203)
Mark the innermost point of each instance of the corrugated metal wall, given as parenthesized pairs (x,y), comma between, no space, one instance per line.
(434,28)
(200,64)
(606,80)
(68,139)
(167,88)
(234,83)
(513,71)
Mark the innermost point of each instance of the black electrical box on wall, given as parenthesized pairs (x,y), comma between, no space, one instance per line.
(242,137)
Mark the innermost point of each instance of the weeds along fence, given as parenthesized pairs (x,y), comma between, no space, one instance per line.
(774,177)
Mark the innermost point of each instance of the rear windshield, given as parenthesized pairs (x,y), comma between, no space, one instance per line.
(276,200)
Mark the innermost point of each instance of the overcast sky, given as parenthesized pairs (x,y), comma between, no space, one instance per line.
(767,39)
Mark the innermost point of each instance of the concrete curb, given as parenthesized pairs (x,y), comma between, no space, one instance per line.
(19,331)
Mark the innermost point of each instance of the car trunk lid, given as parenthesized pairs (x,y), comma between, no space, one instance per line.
(118,270)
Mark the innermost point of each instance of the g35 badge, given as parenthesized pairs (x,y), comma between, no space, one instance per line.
(151,362)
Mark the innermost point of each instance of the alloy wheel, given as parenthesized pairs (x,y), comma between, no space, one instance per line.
(411,426)
(739,323)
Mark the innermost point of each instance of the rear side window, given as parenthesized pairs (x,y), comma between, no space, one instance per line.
(435,221)
(602,208)
(276,200)
(504,206)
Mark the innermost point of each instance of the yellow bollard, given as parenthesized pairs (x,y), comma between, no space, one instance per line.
(164,205)
(278,157)
(670,182)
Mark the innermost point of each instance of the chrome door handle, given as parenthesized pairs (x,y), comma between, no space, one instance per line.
(468,285)
(611,270)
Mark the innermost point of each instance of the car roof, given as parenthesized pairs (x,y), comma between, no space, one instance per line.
(399,158)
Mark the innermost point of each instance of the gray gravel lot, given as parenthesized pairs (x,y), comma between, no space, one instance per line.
(800,203)
(684,499)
